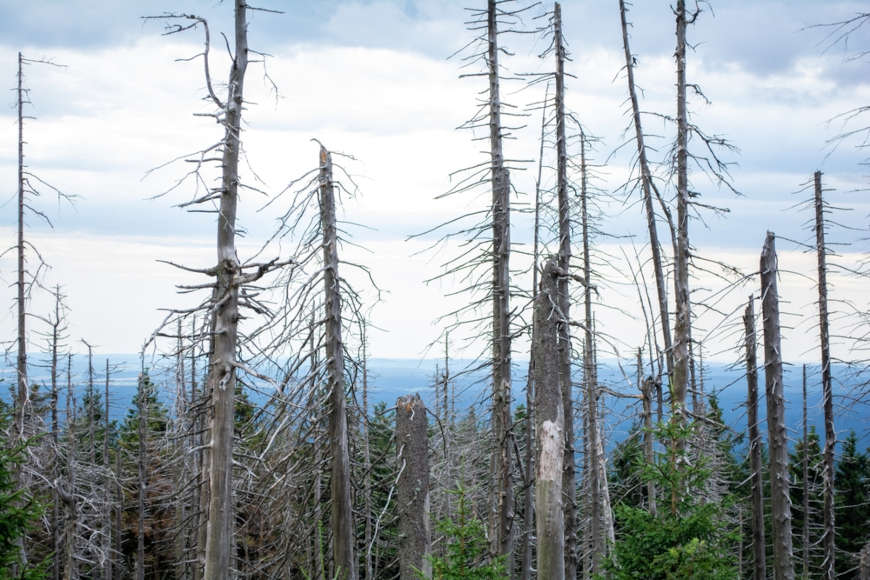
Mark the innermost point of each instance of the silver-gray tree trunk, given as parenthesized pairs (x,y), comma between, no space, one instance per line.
(141,462)
(647,393)
(549,429)
(827,390)
(564,344)
(647,188)
(412,488)
(21,400)
(805,469)
(221,381)
(342,509)
(750,341)
(783,566)
(682,330)
(501,516)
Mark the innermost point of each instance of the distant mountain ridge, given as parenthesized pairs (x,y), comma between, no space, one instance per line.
(390,378)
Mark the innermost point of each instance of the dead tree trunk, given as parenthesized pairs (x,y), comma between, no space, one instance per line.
(141,462)
(412,487)
(92,395)
(70,569)
(342,509)
(682,325)
(590,378)
(564,345)
(648,187)
(367,458)
(647,392)
(783,566)
(805,469)
(758,546)
(107,491)
(501,517)
(222,371)
(827,391)
(549,426)
(55,507)
(22,399)
(529,506)
(864,562)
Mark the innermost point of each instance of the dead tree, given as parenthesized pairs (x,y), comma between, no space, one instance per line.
(367,458)
(412,487)
(564,262)
(682,324)
(56,340)
(827,391)
(758,545)
(222,373)
(107,491)
(502,507)
(549,428)
(528,507)
(783,566)
(647,392)
(342,509)
(805,473)
(21,400)
(648,187)
(141,463)
(69,496)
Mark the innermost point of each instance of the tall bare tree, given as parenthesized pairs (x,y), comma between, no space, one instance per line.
(750,340)
(827,390)
(783,567)
(648,188)
(549,428)
(564,301)
(342,508)
(502,507)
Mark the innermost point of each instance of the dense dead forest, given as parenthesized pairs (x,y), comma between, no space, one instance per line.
(256,444)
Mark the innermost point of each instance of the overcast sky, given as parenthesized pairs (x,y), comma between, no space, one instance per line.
(372,79)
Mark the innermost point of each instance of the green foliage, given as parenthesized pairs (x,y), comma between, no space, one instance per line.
(812,450)
(18,513)
(627,465)
(467,555)
(688,537)
(852,483)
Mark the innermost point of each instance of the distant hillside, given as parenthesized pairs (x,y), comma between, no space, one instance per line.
(391,378)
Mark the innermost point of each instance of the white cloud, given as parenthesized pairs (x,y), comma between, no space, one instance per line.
(120,109)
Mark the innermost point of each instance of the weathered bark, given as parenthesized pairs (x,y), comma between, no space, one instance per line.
(529,505)
(221,381)
(647,392)
(805,469)
(107,490)
(598,480)
(141,462)
(55,475)
(412,488)
(682,325)
(827,390)
(501,514)
(750,340)
(564,345)
(367,458)
(864,563)
(648,188)
(70,568)
(22,398)
(549,426)
(783,566)
(342,512)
